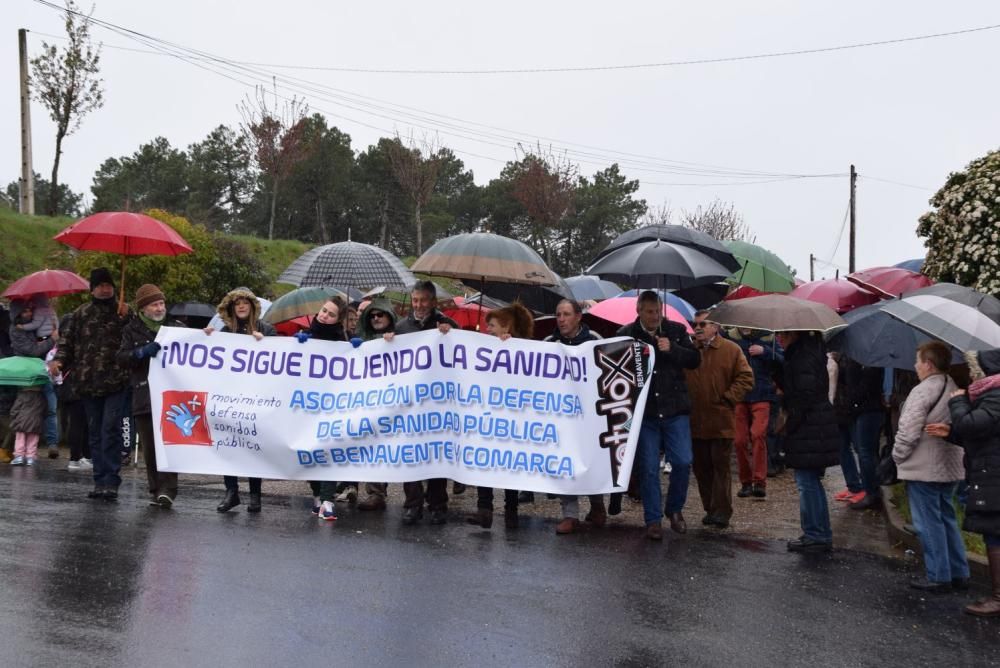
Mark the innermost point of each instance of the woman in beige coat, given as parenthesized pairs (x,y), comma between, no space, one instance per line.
(932,469)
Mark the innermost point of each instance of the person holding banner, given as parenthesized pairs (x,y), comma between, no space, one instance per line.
(424,316)
(138,347)
(514,321)
(571,331)
(666,423)
(240,311)
(377,321)
(325,326)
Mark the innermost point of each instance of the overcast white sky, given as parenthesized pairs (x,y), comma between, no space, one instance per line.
(909,112)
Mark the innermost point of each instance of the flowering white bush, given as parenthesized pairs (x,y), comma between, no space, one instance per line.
(964,228)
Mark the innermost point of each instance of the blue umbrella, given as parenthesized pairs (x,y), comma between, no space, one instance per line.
(668,298)
(874,338)
(591,287)
(916,265)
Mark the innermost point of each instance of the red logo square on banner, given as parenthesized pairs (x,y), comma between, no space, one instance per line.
(183,418)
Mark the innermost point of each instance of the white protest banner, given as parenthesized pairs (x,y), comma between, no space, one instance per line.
(515,414)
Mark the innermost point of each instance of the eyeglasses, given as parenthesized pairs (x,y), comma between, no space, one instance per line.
(699,325)
(379,315)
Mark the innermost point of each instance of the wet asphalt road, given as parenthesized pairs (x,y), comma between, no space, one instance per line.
(91,583)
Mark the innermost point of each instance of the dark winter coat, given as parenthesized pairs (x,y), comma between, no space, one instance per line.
(135,336)
(233,325)
(668,395)
(762,366)
(68,390)
(409,324)
(812,437)
(584,335)
(24,343)
(88,348)
(29,410)
(859,390)
(976,427)
(4,332)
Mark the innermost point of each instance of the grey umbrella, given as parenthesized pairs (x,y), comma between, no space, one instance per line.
(658,264)
(591,287)
(349,264)
(956,324)
(681,236)
(986,304)
(874,338)
(777,313)
(481,256)
(191,310)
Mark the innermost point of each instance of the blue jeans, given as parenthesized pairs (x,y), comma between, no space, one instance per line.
(51,420)
(866,430)
(937,527)
(673,435)
(848,465)
(104,432)
(814,514)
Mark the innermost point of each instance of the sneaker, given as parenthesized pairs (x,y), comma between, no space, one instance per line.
(316,505)
(164,501)
(30,461)
(327,512)
(855,498)
(17,461)
(86,464)
(843,495)
(745,490)
(74,465)
(350,495)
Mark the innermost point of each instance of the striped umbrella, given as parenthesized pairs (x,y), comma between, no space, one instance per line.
(300,302)
(349,264)
(482,256)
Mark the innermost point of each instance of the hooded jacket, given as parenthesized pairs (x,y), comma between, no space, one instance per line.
(88,348)
(976,427)
(364,330)
(812,437)
(227,311)
(669,394)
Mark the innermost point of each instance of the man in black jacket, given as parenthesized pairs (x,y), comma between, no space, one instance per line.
(424,315)
(666,422)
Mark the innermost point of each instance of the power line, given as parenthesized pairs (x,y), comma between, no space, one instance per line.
(895,183)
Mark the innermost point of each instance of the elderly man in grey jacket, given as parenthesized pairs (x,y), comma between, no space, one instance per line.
(932,469)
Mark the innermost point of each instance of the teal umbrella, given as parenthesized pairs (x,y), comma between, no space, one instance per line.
(760,268)
(23,371)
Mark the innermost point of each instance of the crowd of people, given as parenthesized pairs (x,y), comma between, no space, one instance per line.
(776,400)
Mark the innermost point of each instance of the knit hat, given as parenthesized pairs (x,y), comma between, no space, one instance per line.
(147,294)
(100,275)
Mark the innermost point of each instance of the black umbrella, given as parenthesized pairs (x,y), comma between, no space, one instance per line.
(592,287)
(874,338)
(659,264)
(538,298)
(350,264)
(681,236)
(191,309)
(988,305)
(704,296)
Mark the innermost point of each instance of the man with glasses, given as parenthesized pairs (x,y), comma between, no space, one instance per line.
(719,383)
(665,423)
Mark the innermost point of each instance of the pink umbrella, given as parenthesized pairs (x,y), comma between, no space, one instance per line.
(889,282)
(50,282)
(622,311)
(840,295)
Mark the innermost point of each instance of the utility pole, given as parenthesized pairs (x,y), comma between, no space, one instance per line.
(854,190)
(26,203)
(812,267)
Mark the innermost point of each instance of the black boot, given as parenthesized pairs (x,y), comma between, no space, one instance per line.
(254,506)
(482,517)
(231,501)
(615,505)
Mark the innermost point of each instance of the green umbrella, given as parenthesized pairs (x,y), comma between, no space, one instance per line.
(23,371)
(760,268)
(300,302)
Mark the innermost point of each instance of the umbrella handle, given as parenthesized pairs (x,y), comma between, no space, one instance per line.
(121,289)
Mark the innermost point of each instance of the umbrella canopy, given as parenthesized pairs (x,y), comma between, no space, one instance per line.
(123,233)
(889,281)
(704,296)
(481,256)
(760,268)
(191,310)
(49,282)
(538,298)
(469,315)
(658,264)
(744,291)
(591,287)
(669,298)
(300,302)
(986,304)
(290,327)
(956,324)
(680,235)
(777,313)
(874,338)
(348,263)
(916,265)
(840,295)
(621,310)
(23,371)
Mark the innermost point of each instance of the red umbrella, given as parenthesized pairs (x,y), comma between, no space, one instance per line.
(889,282)
(622,310)
(468,316)
(124,233)
(743,292)
(840,295)
(293,326)
(50,282)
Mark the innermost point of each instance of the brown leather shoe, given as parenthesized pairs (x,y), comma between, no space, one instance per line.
(372,503)
(654,531)
(677,523)
(568,525)
(597,518)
